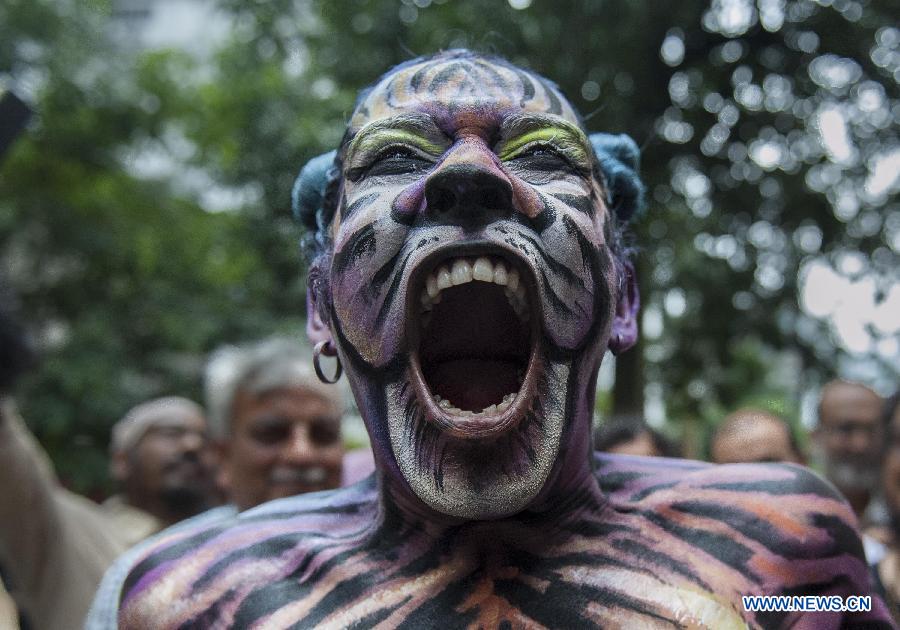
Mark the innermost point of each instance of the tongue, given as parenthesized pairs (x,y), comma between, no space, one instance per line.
(473,384)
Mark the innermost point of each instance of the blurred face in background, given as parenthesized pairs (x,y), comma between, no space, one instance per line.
(641,444)
(850,434)
(283,442)
(890,472)
(757,438)
(172,464)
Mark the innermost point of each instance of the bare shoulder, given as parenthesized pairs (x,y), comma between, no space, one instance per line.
(785,503)
(214,562)
(629,478)
(745,529)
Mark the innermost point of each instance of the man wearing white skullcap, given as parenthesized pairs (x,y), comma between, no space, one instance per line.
(55,544)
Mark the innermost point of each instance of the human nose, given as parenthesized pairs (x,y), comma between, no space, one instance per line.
(299,448)
(468,188)
(859,441)
(192,442)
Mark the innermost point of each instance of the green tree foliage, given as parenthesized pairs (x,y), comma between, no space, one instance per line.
(126,283)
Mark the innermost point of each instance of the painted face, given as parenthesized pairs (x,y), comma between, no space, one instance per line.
(471,284)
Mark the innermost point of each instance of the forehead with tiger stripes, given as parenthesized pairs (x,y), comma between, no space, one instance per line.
(470,286)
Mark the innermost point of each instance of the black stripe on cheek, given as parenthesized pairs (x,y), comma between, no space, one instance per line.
(582,203)
(555,266)
(555,300)
(362,243)
(545,217)
(350,210)
(392,292)
(384,272)
(588,251)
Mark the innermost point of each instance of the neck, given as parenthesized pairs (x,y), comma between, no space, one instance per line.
(571,494)
(163,510)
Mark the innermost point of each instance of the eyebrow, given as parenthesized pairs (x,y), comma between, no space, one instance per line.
(518,131)
(417,128)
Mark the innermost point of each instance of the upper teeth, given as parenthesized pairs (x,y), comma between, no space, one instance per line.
(463,270)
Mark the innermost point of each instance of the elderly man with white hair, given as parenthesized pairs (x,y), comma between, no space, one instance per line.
(277,429)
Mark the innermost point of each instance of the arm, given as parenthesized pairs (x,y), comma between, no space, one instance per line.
(29,520)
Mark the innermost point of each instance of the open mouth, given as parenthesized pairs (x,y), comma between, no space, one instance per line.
(473,330)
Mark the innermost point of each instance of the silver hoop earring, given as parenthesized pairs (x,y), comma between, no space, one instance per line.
(327,348)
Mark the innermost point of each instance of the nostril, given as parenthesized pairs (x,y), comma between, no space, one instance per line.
(493,199)
(468,196)
(443,200)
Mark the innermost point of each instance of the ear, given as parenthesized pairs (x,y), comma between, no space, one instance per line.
(624,331)
(119,468)
(222,449)
(316,329)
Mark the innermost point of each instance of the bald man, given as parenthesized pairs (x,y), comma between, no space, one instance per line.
(752,435)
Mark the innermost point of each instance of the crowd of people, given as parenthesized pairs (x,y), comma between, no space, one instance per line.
(269,429)
(855,444)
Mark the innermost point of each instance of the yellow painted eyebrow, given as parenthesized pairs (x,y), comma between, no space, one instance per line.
(559,133)
(412,130)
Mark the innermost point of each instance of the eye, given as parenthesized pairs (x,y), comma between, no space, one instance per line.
(397,160)
(271,431)
(541,156)
(325,431)
(540,150)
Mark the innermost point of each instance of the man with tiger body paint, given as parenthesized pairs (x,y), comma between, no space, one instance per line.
(467,266)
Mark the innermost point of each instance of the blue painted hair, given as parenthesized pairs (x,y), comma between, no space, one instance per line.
(619,160)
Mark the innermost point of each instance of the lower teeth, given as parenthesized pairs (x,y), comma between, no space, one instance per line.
(500,407)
